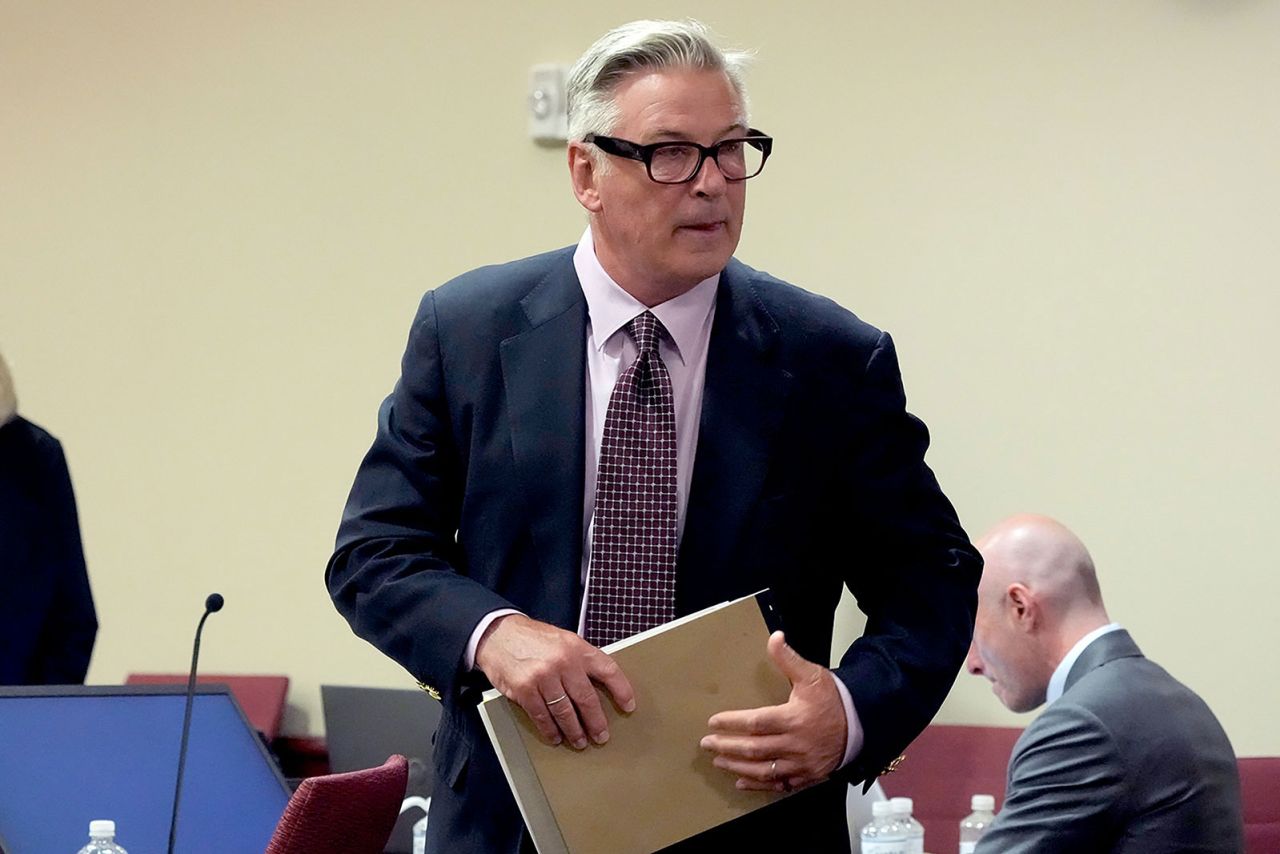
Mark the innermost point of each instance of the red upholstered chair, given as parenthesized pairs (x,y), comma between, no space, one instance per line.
(261,697)
(943,768)
(1260,794)
(352,813)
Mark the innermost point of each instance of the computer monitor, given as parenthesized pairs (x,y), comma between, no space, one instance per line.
(363,726)
(71,754)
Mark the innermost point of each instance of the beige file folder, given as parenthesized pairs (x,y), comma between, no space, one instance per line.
(651,785)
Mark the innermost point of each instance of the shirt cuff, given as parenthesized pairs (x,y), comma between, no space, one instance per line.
(469,656)
(853,741)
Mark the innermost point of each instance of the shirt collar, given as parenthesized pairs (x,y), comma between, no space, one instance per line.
(1058,681)
(610,307)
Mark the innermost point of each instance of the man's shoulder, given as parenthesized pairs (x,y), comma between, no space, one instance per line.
(1124,681)
(813,317)
(19,433)
(31,456)
(1107,696)
(505,282)
(1067,717)
(1121,696)
(1128,690)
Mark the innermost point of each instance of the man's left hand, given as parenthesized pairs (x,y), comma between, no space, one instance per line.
(786,747)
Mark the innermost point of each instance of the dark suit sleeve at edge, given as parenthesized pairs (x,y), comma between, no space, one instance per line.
(915,573)
(397,574)
(67,637)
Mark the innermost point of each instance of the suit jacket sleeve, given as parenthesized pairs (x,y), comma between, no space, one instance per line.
(397,574)
(910,567)
(1066,787)
(66,638)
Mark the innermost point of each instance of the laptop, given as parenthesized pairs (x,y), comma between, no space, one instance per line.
(70,754)
(363,726)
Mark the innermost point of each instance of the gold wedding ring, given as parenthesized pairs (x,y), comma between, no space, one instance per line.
(773,770)
(557,699)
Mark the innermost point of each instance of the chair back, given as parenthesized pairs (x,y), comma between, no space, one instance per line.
(1260,797)
(352,812)
(943,768)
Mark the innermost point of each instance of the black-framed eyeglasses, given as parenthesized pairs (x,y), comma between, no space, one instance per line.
(679,162)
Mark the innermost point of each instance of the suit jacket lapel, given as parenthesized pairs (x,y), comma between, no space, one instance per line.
(1108,647)
(742,406)
(544,375)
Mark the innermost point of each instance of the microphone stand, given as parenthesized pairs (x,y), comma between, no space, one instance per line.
(211,605)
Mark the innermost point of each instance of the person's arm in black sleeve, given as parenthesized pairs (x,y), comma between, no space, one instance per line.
(396,574)
(916,576)
(67,636)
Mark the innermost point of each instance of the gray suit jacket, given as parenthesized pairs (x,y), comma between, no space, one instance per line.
(1128,759)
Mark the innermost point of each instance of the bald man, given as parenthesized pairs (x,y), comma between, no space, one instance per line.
(1124,758)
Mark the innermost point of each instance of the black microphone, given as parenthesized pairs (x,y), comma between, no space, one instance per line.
(211,604)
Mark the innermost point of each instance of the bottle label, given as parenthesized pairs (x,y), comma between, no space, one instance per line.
(968,847)
(886,846)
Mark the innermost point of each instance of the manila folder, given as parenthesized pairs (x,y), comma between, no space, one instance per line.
(650,785)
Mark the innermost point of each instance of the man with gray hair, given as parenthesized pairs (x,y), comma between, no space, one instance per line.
(1125,758)
(47,620)
(597,440)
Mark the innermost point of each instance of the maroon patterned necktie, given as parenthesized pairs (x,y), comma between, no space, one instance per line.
(632,579)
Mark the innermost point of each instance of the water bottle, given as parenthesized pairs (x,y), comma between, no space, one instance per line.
(974,825)
(902,808)
(102,839)
(883,834)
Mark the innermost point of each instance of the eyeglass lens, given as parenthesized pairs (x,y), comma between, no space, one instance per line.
(676,163)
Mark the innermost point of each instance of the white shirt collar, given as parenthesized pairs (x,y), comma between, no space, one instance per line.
(1058,681)
(610,307)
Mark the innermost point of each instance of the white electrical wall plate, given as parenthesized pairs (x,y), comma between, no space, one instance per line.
(548,108)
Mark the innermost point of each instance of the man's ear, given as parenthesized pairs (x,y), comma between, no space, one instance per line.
(584,174)
(1023,607)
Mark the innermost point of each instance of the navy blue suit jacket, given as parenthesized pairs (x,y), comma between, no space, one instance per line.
(809,475)
(47,619)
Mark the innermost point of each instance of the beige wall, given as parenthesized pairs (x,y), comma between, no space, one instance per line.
(217,218)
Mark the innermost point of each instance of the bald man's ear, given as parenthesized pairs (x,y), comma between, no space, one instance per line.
(1023,608)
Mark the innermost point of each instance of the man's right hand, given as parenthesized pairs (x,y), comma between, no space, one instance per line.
(550,672)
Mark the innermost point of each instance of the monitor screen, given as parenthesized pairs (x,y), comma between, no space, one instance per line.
(364,725)
(71,754)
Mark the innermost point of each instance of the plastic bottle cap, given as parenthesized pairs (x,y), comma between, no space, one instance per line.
(879,809)
(902,806)
(983,803)
(101,827)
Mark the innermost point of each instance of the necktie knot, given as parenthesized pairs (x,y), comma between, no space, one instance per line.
(644,329)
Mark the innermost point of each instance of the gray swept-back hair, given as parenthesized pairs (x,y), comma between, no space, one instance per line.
(642,46)
(8,399)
